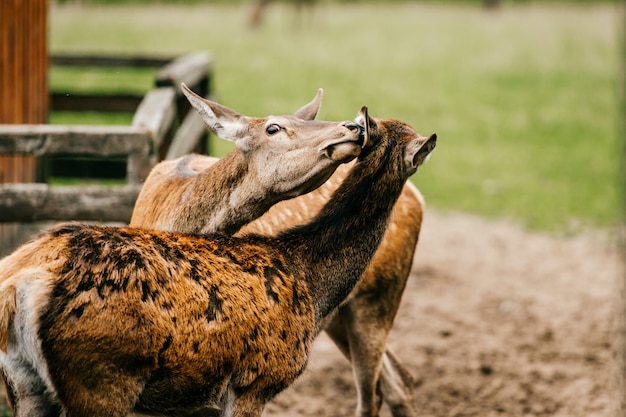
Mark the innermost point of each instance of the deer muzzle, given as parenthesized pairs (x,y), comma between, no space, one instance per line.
(347,148)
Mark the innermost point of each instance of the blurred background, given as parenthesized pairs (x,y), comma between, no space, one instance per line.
(524,95)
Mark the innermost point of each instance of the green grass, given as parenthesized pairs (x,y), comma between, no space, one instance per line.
(101,79)
(90,118)
(524,99)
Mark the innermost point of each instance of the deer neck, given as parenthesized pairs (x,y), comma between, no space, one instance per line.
(223,198)
(335,249)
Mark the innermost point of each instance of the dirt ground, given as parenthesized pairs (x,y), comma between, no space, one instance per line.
(495,321)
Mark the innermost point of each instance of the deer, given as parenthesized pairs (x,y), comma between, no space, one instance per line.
(259,7)
(361,325)
(107,320)
(275,158)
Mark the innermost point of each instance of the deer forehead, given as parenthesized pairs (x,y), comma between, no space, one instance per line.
(280,120)
(300,127)
(294,134)
(291,125)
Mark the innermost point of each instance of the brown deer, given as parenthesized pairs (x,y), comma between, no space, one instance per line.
(361,326)
(276,157)
(260,6)
(101,321)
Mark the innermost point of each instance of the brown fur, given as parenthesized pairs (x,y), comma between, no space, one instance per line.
(164,307)
(6,307)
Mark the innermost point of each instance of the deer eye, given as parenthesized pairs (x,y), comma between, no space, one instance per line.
(273,129)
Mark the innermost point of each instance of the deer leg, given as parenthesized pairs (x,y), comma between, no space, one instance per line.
(113,396)
(396,386)
(365,354)
(247,405)
(337,331)
(27,393)
(360,330)
(33,403)
(377,370)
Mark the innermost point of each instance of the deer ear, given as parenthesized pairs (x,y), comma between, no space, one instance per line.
(369,125)
(223,122)
(419,150)
(309,111)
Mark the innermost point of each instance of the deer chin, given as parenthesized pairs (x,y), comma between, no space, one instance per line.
(305,188)
(314,180)
(342,152)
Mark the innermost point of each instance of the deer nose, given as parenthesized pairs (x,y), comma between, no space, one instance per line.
(355,127)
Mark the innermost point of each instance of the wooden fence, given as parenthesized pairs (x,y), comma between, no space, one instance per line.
(162,127)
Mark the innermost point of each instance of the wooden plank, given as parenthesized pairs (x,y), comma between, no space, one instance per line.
(191,69)
(194,70)
(70,60)
(24,70)
(23,84)
(138,167)
(37,201)
(118,103)
(74,140)
(188,136)
(156,113)
(17,168)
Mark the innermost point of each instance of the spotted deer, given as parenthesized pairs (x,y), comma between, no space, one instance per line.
(104,321)
(276,157)
(361,326)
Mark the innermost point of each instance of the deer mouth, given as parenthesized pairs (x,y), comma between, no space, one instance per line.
(345,149)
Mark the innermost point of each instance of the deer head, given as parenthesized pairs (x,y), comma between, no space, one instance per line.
(289,155)
(415,153)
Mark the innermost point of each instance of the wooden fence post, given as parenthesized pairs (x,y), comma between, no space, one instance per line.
(23,83)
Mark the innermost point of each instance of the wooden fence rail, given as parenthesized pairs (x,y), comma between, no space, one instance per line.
(162,125)
(36,201)
(43,140)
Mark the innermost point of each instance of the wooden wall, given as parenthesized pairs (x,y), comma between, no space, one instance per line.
(23,83)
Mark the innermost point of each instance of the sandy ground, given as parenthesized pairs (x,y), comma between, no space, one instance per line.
(495,321)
